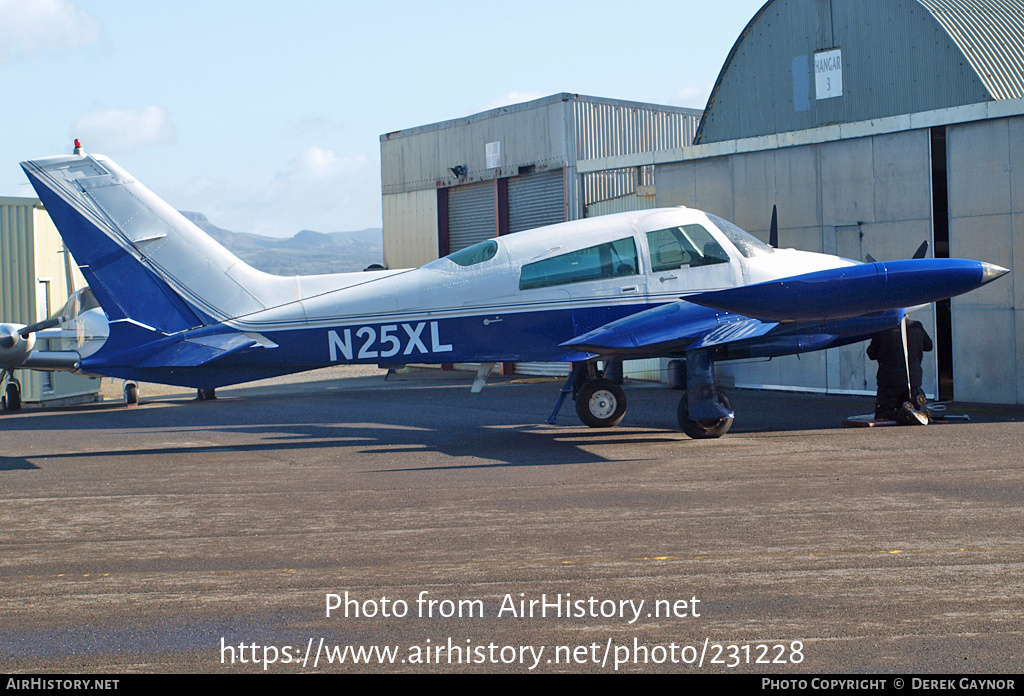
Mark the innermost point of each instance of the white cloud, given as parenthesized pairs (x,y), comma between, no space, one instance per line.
(318,190)
(314,164)
(28,27)
(120,131)
(693,97)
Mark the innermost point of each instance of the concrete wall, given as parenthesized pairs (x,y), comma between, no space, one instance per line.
(986,222)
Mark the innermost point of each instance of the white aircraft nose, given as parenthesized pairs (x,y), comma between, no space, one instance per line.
(990,271)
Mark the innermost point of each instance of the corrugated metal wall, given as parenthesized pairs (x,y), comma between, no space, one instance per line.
(421,158)
(410,228)
(17,261)
(605,128)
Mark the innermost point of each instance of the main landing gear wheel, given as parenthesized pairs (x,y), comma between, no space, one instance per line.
(12,397)
(600,403)
(206,394)
(704,429)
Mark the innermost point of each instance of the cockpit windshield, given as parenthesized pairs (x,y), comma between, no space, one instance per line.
(746,243)
(472,255)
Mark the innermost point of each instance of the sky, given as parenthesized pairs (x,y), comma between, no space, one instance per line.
(267,115)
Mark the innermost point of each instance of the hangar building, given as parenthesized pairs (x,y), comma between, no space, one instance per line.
(872,125)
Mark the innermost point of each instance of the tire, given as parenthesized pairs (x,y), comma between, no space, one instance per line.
(131,394)
(600,403)
(704,429)
(12,399)
(209,394)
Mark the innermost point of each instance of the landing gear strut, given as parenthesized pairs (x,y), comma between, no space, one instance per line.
(703,399)
(707,428)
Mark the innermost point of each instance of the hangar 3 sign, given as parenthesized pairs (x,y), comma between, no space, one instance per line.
(828,74)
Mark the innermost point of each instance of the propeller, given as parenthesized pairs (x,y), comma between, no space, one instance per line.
(913,416)
(921,252)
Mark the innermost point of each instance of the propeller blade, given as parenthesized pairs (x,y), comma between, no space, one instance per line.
(773,234)
(906,352)
(39,326)
(921,250)
(870,259)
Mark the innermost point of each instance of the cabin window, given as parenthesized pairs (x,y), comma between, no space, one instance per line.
(612,260)
(472,255)
(686,245)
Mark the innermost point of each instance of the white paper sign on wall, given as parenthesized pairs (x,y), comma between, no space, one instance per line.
(828,74)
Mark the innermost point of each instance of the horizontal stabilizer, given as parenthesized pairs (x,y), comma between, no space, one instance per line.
(199,351)
(853,291)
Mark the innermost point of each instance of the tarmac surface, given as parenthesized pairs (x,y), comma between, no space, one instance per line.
(181,535)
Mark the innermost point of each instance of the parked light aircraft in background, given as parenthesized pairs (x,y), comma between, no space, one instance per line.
(173,306)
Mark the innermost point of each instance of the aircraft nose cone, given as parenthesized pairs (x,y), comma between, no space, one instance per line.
(990,271)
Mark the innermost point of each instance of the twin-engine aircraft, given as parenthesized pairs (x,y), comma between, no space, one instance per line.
(168,304)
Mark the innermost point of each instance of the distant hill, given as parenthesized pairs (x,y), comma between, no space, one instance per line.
(307,253)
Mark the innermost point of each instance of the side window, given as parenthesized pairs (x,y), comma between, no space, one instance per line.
(685,246)
(611,260)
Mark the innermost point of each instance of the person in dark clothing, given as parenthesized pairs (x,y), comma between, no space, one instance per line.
(887,348)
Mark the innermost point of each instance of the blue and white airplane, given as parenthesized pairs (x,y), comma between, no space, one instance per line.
(173,306)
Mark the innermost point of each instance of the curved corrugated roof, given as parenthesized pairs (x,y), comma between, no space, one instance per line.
(899,57)
(991,35)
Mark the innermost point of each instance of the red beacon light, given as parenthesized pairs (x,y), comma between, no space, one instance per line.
(78,147)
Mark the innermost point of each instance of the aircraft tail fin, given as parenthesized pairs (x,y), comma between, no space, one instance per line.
(144,261)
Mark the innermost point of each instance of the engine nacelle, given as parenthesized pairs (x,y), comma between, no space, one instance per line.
(13,348)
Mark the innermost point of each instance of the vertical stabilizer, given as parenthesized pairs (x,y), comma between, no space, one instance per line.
(144,261)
